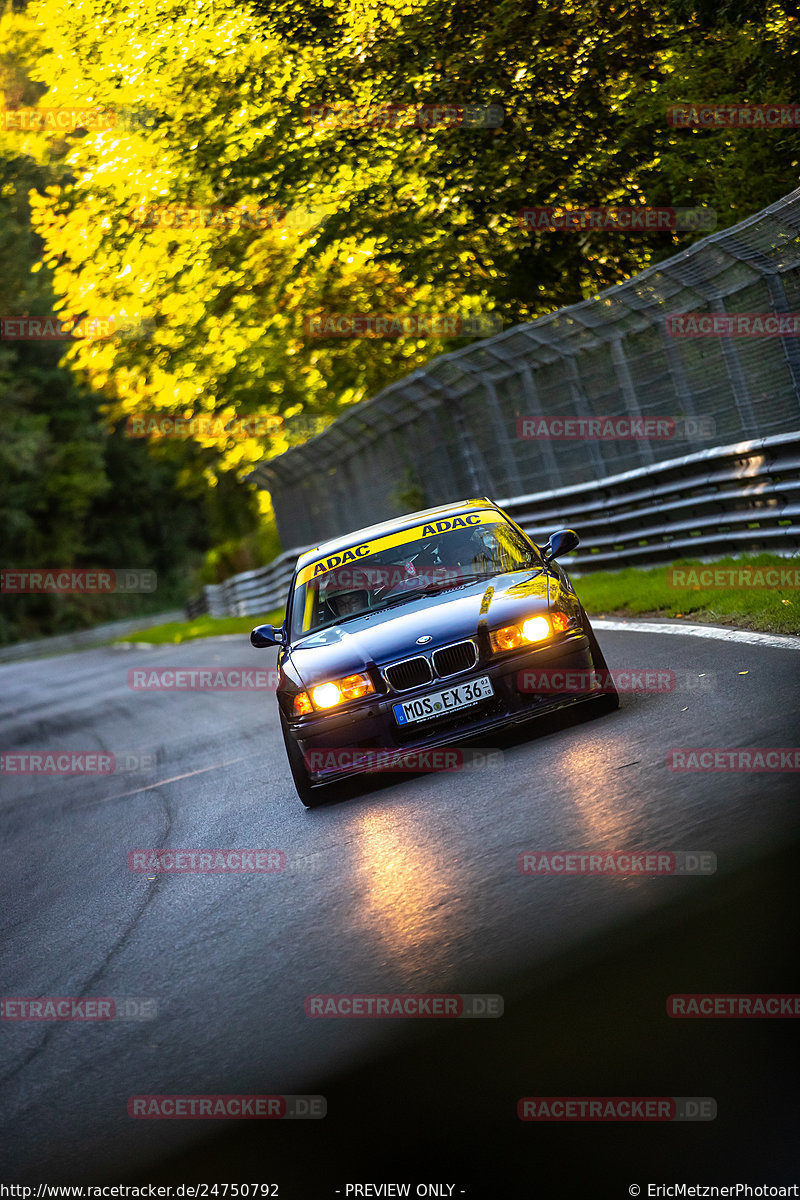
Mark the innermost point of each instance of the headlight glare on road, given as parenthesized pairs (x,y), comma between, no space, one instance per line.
(510,637)
(337,691)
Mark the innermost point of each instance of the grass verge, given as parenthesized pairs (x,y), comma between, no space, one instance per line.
(201,627)
(636,592)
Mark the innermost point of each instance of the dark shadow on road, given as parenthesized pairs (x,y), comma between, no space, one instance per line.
(591,1023)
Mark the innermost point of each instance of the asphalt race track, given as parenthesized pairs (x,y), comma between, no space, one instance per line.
(410,886)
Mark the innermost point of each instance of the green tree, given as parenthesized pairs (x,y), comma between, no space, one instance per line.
(420,219)
(72,492)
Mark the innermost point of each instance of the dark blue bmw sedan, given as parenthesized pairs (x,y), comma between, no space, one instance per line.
(424,631)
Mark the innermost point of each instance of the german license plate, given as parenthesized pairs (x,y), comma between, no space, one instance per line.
(438,704)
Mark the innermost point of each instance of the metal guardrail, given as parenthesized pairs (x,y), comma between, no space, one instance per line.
(84,639)
(451,429)
(732,499)
(249,594)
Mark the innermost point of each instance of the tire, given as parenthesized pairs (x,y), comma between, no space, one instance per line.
(609,701)
(309,796)
(297,767)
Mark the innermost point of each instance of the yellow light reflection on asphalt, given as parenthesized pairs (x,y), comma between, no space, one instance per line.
(608,800)
(408,902)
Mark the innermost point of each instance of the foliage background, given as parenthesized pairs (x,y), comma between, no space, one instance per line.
(208,97)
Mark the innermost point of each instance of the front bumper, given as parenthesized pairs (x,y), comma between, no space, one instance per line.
(371,725)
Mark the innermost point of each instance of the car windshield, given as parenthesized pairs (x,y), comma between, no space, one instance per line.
(365,580)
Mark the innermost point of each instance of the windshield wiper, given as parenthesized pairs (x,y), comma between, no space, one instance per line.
(440,586)
(415,595)
(365,612)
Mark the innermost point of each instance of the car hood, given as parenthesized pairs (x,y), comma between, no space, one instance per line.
(449,616)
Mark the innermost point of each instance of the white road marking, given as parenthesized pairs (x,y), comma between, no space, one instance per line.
(745,636)
(202,770)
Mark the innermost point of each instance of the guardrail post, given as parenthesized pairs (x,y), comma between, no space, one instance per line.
(582,405)
(552,470)
(676,370)
(512,478)
(471,457)
(447,482)
(791,346)
(733,367)
(628,391)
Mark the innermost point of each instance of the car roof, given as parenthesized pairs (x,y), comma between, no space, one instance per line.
(371,532)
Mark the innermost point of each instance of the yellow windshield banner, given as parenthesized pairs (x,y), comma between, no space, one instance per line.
(358,554)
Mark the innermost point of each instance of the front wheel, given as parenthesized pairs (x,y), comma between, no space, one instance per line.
(297,767)
(609,700)
(309,795)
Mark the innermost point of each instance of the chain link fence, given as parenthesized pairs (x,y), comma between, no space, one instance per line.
(453,430)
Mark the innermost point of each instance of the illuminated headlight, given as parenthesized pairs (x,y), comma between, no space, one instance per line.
(327,695)
(535,629)
(339,691)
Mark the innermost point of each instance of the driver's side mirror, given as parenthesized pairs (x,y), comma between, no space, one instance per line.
(266,635)
(561,542)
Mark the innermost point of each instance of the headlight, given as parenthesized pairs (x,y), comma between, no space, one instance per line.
(535,629)
(338,691)
(327,695)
